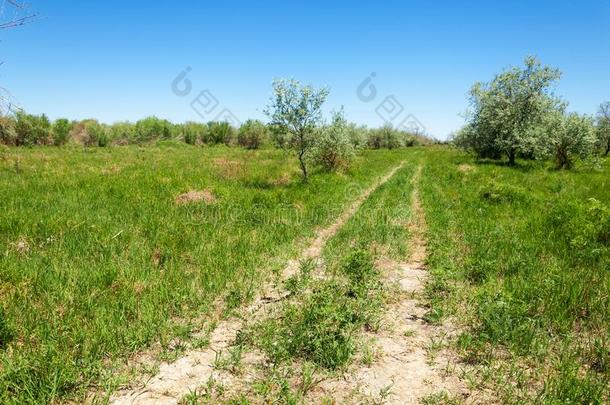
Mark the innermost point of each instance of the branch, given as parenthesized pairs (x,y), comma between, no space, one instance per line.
(17,22)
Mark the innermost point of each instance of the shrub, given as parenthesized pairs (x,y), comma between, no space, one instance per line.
(152,128)
(61,131)
(193,132)
(375,138)
(122,133)
(568,137)
(252,134)
(357,135)
(359,266)
(32,129)
(332,146)
(8,134)
(219,132)
(97,135)
(385,137)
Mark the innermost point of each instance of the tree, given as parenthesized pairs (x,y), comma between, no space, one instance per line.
(506,112)
(603,127)
(61,131)
(333,147)
(569,136)
(252,134)
(296,110)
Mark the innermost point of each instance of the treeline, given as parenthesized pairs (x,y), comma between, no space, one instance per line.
(22,129)
(517,115)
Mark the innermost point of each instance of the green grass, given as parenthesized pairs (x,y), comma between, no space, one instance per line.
(98,261)
(320,327)
(522,257)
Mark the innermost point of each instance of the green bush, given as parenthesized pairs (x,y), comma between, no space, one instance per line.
(193,132)
(97,135)
(152,128)
(332,147)
(61,131)
(359,266)
(32,130)
(252,134)
(219,132)
(122,133)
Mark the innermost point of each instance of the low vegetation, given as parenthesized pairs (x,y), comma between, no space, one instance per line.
(521,258)
(117,237)
(154,267)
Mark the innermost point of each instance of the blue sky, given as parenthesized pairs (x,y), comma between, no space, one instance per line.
(116,60)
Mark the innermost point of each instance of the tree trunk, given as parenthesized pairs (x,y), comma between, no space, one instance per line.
(512,154)
(607,149)
(302,163)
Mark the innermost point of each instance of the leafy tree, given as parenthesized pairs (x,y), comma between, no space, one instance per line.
(506,112)
(390,138)
(357,135)
(603,127)
(569,136)
(61,131)
(333,147)
(296,110)
(252,134)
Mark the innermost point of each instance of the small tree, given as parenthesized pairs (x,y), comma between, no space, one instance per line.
(603,127)
(333,147)
(569,136)
(252,134)
(61,131)
(296,110)
(505,111)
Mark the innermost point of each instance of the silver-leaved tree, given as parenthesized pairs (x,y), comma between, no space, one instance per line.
(506,112)
(296,110)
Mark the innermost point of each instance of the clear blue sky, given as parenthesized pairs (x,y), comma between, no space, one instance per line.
(116,60)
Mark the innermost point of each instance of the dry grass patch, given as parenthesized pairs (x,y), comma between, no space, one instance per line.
(196,196)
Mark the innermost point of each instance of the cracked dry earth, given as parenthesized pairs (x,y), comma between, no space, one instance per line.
(196,367)
(411,363)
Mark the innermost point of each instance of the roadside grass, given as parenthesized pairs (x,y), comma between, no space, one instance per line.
(320,328)
(520,257)
(98,261)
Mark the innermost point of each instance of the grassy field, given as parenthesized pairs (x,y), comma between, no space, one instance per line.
(521,257)
(101,258)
